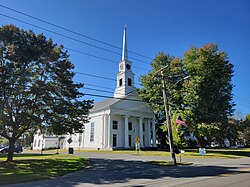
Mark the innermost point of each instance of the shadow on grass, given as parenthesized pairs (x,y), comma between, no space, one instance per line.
(34,169)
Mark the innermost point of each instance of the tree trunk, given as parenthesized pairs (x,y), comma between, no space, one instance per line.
(10,151)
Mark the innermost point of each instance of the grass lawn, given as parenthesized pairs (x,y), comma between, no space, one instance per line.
(30,167)
(169,163)
(189,153)
(221,153)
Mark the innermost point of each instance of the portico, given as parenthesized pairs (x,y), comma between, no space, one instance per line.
(123,129)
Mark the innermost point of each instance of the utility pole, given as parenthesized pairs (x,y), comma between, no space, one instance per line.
(166,105)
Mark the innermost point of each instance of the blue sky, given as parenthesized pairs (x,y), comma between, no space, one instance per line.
(152,26)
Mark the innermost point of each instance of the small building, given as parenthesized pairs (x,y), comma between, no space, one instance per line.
(46,141)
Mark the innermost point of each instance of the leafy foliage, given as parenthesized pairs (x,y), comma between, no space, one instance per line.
(208,95)
(152,85)
(204,101)
(151,91)
(244,134)
(36,86)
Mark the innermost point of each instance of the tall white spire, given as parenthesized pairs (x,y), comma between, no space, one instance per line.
(124,46)
(125,76)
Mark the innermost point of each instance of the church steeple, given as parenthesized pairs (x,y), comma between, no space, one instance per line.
(125,76)
(124,46)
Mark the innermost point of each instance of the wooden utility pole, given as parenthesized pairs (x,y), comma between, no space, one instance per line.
(166,105)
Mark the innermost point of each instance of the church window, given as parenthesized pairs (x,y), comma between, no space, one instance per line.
(92,130)
(130,126)
(35,143)
(114,140)
(39,142)
(129,82)
(120,82)
(143,126)
(115,125)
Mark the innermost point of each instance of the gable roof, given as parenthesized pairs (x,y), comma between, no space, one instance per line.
(103,104)
(132,101)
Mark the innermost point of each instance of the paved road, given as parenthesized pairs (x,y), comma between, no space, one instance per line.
(132,170)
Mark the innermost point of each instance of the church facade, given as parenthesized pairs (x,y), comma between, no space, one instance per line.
(116,123)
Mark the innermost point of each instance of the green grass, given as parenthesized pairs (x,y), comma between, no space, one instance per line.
(169,163)
(30,167)
(221,153)
(189,153)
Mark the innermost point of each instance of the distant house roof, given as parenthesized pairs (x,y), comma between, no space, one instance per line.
(103,104)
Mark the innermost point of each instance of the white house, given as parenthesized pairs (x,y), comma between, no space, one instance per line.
(116,123)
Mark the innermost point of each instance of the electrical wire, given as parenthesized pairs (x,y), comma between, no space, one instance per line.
(100,77)
(95,56)
(69,37)
(69,30)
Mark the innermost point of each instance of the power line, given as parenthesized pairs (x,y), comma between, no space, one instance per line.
(242,99)
(95,56)
(98,90)
(96,76)
(80,41)
(91,75)
(68,37)
(110,97)
(69,30)
(94,85)
(100,77)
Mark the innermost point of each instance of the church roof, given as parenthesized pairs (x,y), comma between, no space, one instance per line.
(103,104)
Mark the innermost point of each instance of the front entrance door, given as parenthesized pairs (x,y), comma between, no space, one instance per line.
(129,140)
(114,140)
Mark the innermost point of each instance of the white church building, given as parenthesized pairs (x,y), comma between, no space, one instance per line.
(114,123)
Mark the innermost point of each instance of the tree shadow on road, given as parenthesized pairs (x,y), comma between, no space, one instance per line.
(107,171)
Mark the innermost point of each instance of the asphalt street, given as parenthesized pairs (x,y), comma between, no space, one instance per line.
(134,170)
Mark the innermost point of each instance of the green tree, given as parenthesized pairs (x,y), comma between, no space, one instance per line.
(244,134)
(248,119)
(208,95)
(36,87)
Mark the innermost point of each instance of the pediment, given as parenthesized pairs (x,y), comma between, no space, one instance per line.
(132,104)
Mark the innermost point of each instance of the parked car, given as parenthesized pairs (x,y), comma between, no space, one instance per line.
(17,149)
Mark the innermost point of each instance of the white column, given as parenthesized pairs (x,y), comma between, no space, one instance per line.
(103,131)
(154,133)
(148,139)
(110,131)
(83,136)
(141,132)
(126,131)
